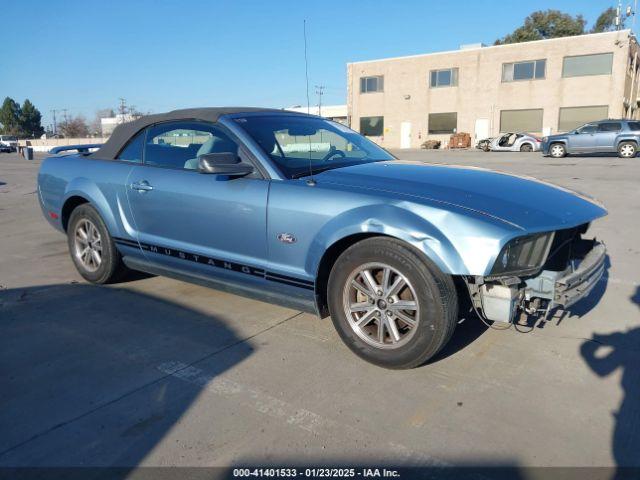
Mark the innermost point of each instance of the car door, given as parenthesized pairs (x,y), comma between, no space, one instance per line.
(501,142)
(606,136)
(583,139)
(192,222)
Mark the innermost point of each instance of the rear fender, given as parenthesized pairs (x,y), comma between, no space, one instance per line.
(85,188)
(626,138)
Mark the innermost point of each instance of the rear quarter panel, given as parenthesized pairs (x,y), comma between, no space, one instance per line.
(100,182)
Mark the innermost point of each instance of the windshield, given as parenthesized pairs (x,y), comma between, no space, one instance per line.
(296,143)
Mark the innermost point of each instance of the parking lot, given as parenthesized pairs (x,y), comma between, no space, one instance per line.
(156,372)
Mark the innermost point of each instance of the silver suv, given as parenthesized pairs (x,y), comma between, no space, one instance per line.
(622,136)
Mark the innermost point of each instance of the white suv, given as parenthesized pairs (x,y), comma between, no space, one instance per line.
(10,141)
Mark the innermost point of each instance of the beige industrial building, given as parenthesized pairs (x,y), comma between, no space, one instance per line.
(541,87)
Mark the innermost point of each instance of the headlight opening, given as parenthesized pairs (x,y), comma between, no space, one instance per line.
(523,255)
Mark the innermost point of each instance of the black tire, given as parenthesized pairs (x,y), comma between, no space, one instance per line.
(559,148)
(435,294)
(627,149)
(110,268)
(526,147)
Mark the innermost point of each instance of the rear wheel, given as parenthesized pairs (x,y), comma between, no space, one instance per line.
(526,147)
(627,150)
(557,150)
(391,306)
(91,247)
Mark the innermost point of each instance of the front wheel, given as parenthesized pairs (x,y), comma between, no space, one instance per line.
(627,150)
(557,150)
(91,247)
(391,306)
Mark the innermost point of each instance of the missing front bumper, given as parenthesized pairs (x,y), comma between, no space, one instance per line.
(502,301)
(579,283)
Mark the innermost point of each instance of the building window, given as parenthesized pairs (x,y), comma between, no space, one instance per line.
(531,70)
(371,84)
(573,117)
(443,122)
(372,126)
(444,78)
(578,66)
(526,120)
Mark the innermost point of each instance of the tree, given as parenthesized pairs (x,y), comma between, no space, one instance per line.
(30,120)
(74,127)
(606,22)
(10,117)
(545,24)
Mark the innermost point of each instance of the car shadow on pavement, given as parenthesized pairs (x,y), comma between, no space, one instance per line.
(605,354)
(97,376)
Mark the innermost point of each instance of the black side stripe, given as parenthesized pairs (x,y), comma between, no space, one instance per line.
(218,263)
(287,278)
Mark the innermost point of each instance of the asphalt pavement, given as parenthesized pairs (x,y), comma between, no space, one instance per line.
(156,372)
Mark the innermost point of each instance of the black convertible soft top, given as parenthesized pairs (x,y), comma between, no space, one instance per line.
(123,133)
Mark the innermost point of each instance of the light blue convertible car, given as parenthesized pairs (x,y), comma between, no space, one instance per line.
(301,211)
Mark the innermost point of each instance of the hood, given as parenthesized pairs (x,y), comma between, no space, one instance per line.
(555,136)
(523,202)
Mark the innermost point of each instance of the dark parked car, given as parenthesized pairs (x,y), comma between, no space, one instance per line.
(622,136)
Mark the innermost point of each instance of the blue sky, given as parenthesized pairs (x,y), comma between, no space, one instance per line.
(161,54)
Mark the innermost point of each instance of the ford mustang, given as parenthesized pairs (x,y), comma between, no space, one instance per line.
(302,211)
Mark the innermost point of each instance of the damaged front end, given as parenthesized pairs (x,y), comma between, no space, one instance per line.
(538,273)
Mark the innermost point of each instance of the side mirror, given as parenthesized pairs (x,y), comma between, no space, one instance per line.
(226,163)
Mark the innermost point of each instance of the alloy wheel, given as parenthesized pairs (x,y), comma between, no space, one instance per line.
(557,151)
(88,245)
(381,305)
(627,150)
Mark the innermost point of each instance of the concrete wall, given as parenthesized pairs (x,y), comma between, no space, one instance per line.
(44,145)
(481,93)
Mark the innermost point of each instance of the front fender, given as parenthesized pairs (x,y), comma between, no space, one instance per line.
(392,221)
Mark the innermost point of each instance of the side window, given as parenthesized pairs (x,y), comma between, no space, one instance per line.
(133,151)
(634,126)
(588,128)
(179,144)
(610,127)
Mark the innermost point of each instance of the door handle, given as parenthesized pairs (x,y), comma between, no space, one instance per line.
(142,186)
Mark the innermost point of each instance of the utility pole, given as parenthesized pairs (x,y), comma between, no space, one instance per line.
(55,125)
(320,92)
(122,109)
(64,115)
